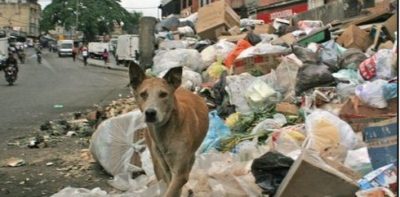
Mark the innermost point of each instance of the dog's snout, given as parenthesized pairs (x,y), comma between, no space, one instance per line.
(151,115)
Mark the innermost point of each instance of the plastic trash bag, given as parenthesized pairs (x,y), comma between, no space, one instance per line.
(173,44)
(259,94)
(190,79)
(371,93)
(217,131)
(309,25)
(270,124)
(307,56)
(287,70)
(170,23)
(191,58)
(378,66)
(288,140)
(262,48)
(348,81)
(186,31)
(244,22)
(235,85)
(81,192)
(219,50)
(215,70)
(326,131)
(330,55)
(310,76)
(269,171)
(390,91)
(359,161)
(112,143)
(221,174)
(351,58)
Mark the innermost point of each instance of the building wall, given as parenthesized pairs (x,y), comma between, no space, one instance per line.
(21,17)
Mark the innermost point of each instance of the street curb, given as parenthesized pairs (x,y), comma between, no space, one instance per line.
(105,66)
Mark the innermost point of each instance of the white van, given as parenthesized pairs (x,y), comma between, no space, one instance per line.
(127,48)
(65,47)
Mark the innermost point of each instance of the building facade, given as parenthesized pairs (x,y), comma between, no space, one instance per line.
(20,15)
(186,7)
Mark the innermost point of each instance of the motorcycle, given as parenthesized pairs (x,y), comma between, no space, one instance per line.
(10,74)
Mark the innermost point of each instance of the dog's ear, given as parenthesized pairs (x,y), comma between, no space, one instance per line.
(136,75)
(174,77)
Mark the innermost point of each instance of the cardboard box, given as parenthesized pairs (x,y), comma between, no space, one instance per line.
(234,31)
(259,64)
(215,16)
(354,37)
(287,108)
(232,38)
(264,29)
(359,115)
(390,26)
(381,139)
(310,176)
(288,38)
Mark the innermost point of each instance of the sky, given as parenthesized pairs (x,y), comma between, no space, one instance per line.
(147,7)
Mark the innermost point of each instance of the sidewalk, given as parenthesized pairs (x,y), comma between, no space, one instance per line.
(100,63)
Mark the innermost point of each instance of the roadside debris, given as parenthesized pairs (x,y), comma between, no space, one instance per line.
(15,162)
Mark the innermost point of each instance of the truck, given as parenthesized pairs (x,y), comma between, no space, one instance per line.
(65,47)
(127,48)
(96,49)
(3,51)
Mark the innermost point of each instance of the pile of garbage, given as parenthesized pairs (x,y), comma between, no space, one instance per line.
(292,106)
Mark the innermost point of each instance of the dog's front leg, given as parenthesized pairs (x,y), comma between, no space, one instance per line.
(177,182)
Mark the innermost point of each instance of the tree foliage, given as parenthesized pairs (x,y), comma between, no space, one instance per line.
(95,17)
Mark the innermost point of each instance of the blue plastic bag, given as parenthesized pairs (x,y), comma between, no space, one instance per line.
(217,130)
(390,91)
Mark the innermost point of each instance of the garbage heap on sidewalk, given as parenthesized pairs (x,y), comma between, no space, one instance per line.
(304,108)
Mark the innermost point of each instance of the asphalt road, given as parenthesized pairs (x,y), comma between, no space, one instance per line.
(57,81)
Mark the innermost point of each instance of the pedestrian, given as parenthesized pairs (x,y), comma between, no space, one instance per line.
(74,52)
(85,54)
(105,56)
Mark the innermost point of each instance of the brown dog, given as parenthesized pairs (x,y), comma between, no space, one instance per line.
(177,120)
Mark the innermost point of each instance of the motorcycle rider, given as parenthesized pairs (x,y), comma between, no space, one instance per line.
(11,61)
(39,54)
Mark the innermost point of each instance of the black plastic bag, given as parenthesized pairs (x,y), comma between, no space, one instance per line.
(351,59)
(306,55)
(311,75)
(269,170)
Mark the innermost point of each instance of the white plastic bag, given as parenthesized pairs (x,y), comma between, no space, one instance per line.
(219,50)
(262,48)
(80,192)
(235,85)
(259,94)
(270,124)
(173,44)
(112,143)
(191,58)
(326,131)
(190,79)
(371,93)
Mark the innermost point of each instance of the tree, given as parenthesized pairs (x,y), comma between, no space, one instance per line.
(94,17)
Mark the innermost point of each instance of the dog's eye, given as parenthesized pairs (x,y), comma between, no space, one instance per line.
(143,95)
(163,94)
